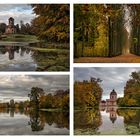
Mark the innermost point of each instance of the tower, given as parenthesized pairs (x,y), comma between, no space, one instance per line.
(11,21)
(10,28)
(113,95)
(113,99)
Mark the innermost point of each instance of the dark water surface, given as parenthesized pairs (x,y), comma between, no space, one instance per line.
(34,123)
(108,121)
(20,58)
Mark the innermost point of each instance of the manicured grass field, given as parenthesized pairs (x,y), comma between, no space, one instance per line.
(19,38)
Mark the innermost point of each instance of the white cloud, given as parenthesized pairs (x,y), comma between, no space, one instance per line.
(18,86)
(18,12)
(113,78)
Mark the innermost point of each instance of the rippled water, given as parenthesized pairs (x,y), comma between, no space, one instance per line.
(16,58)
(34,123)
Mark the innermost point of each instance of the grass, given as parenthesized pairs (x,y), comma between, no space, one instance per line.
(20,38)
(59,51)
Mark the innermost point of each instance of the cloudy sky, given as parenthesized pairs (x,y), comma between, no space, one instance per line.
(113,78)
(18,86)
(17,11)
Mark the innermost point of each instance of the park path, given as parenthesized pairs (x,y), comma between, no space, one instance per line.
(126,58)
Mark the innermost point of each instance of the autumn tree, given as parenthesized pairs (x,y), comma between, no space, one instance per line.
(36,92)
(17,28)
(98,29)
(12,103)
(2,27)
(135,28)
(60,100)
(87,93)
(131,91)
(51,22)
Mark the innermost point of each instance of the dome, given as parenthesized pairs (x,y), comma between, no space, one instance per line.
(103,101)
(113,92)
(11,18)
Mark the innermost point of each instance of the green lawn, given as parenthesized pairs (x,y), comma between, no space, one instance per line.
(19,38)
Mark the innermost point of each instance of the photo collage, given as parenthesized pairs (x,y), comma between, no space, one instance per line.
(70,69)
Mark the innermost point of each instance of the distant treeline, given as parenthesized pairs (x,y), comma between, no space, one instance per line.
(40,100)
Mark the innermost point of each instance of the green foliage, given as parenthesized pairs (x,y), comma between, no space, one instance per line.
(39,100)
(87,94)
(20,38)
(56,60)
(12,103)
(98,29)
(131,91)
(2,28)
(34,96)
(135,25)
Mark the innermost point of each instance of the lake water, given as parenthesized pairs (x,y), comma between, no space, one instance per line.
(16,58)
(34,123)
(108,121)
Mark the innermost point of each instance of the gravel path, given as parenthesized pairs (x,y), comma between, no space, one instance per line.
(127,58)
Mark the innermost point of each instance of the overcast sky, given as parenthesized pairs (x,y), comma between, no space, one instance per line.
(113,78)
(17,11)
(18,86)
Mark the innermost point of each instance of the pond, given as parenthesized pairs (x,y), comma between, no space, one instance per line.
(107,121)
(14,122)
(24,58)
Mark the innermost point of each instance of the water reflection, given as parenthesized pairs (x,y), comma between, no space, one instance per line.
(131,120)
(22,58)
(110,121)
(33,122)
(87,122)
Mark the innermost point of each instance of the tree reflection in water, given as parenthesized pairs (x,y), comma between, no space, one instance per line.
(35,122)
(11,50)
(131,119)
(87,122)
(90,121)
(44,60)
(38,119)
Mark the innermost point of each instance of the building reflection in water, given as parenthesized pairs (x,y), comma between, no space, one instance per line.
(33,60)
(11,50)
(112,112)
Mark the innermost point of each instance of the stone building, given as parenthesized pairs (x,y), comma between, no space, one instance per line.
(113,99)
(10,28)
(103,103)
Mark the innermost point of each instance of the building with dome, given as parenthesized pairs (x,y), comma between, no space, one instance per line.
(113,99)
